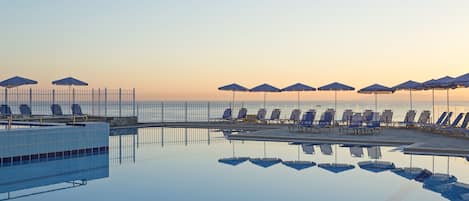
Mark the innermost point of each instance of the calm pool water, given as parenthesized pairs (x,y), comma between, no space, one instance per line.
(183,164)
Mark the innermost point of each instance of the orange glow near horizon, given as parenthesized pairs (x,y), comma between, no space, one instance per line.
(168,50)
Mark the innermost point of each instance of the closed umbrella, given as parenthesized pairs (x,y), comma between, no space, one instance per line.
(70,82)
(336,86)
(265,88)
(299,87)
(15,82)
(376,89)
(410,86)
(234,88)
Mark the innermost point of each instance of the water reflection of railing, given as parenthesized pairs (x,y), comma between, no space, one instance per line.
(54,174)
(123,145)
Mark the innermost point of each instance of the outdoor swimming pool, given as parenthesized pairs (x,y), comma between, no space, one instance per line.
(183,164)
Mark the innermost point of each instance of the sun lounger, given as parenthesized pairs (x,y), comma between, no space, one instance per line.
(409,119)
(356,151)
(275,116)
(56,110)
(424,118)
(25,110)
(375,123)
(367,115)
(326,119)
(306,121)
(447,120)
(76,110)
(346,117)
(242,114)
(454,125)
(5,111)
(463,129)
(438,123)
(294,116)
(261,115)
(386,117)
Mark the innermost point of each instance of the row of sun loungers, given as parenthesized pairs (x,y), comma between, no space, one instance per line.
(367,122)
(25,110)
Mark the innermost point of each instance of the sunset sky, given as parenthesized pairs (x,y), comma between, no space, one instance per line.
(184,50)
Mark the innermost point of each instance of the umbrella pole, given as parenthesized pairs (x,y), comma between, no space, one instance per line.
(447,100)
(410,94)
(264,151)
(335,101)
(6,96)
(233,149)
(298,152)
(376,102)
(433,105)
(232,103)
(335,154)
(298,99)
(265,95)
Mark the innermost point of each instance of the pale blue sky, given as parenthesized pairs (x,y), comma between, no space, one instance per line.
(155,44)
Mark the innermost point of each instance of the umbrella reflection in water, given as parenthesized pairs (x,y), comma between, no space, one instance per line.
(265,162)
(335,167)
(299,164)
(375,165)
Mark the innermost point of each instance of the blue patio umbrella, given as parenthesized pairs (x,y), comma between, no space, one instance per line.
(462,80)
(336,86)
(13,82)
(376,89)
(410,86)
(233,160)
(444,83)
(265,162)
(298,164)
(374,165)
(336,167)
(408,173)
(299,87)
(70,81)
(265,88)
(234,88)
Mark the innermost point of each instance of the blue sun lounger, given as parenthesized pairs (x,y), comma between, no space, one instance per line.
(25,110)
(5,111)
(306,121)
(56,110)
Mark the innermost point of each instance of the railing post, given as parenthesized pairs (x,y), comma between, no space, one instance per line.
(185,111)
(92,101)
(208,111)
(6,96)
(99,101)
(120,102)
(105,102)
(53,96)
(133,102)
(73,96)
(31,99)
(162,112)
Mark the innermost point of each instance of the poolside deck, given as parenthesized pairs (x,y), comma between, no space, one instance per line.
(412,141)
